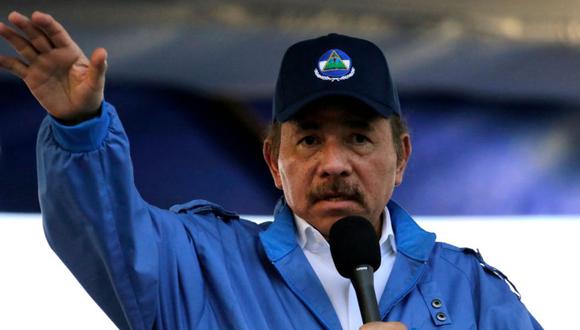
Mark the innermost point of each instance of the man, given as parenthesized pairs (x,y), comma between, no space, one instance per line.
(338,147)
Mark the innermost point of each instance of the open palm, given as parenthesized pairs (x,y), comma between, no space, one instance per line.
(57,72)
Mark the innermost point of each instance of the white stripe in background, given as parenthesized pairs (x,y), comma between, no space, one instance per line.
(538,253)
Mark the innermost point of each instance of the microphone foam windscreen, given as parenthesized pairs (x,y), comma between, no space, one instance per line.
(354,242)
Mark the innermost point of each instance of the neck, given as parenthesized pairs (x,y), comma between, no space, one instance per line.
(378,225)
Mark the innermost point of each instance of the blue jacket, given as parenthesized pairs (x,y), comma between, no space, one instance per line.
(198,266)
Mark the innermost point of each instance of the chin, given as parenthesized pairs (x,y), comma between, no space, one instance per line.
(325,216)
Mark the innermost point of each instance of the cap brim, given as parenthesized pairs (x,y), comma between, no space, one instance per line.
(293,109)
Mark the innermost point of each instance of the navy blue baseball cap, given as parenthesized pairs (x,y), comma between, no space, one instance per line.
(334,65)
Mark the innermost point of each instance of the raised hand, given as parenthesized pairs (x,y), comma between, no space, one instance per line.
(57,72)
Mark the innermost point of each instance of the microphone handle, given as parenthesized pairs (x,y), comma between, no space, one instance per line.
(364,286)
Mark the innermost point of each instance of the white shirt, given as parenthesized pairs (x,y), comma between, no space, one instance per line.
(339,289)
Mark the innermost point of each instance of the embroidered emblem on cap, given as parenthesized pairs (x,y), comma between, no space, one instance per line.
(334,65)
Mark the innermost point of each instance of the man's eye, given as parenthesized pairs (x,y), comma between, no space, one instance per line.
(359,138)
(308,140)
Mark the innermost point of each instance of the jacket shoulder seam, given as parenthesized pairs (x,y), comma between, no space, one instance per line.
(452,248)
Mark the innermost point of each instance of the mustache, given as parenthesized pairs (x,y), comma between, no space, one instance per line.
(336,188)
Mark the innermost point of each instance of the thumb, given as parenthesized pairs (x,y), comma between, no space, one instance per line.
(98,68)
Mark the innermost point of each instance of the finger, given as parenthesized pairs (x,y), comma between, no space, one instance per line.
(21,45)
(383,326)
(53,29)
(98,68)
(14,65)
(35,35)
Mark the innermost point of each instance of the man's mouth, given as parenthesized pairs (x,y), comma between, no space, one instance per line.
(337,198)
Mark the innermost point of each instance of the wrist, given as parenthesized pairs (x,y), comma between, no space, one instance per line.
(85,136)
(80,117)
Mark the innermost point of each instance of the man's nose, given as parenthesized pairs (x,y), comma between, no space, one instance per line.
(334,161)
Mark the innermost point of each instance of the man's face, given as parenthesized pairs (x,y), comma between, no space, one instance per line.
(337,159)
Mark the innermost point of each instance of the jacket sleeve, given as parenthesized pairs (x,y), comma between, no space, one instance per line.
(116,245)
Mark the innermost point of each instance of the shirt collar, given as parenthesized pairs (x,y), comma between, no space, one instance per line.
(310,239)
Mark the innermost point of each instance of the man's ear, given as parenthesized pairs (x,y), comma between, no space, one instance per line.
(407,148)
(272,163)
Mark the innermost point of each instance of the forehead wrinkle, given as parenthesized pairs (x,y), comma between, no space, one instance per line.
(306,124)
(358,122)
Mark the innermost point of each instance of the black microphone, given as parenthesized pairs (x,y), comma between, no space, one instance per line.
(356,254)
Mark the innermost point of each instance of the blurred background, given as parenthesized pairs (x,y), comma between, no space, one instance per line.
(490,89)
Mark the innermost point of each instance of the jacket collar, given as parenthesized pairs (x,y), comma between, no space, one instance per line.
(279,241)
(280,237)
(281,247)
(412,240)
